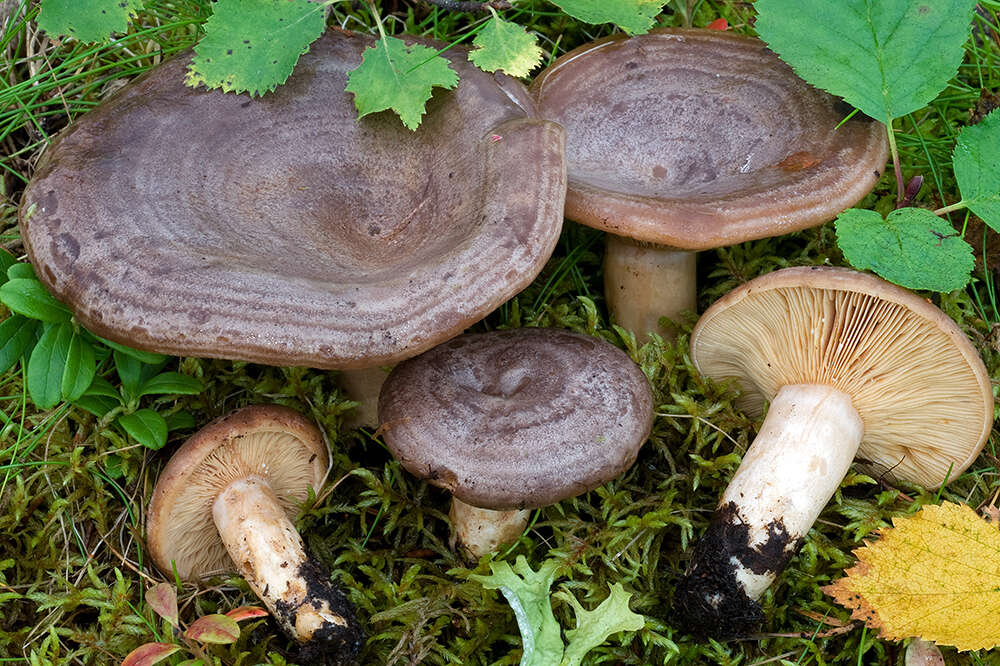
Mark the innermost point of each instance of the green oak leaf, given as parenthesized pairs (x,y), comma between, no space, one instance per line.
(253,45)
(633,16)
(913,248)
(395,76)
(885,57)
(87,20)
(594,627)
(507,46)
(977,168)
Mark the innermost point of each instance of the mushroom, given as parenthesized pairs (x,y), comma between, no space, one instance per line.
(224,502)
(285,230)
(682,140)
(852,366)
(513,420)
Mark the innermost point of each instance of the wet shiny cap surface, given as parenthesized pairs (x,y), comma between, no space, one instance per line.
(517,419)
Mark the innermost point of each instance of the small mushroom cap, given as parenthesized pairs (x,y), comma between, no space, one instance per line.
(285,230)
(517,419)
(699,139)
(268,442)
(917,382)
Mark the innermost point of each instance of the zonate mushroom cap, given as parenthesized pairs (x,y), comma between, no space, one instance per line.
(517,419)
(267,442)
(914,378)
(285,230)
(699,138)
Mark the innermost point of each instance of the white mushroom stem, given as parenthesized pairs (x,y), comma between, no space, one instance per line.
(802,453)
(479,531)
(363,386)
(644,282)
(269,554)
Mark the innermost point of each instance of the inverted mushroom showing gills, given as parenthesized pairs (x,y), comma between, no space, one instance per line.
(682,140)
(285,230)
(853,367)
(514,420)
(224,502)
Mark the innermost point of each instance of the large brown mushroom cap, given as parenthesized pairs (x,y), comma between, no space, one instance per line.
(916,381)
(267,442)
(287,231)
(517,419)
(698,139)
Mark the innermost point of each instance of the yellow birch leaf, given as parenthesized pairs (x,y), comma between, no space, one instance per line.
(935,574)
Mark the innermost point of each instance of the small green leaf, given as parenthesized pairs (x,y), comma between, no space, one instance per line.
(6,261)
(47,363)
(977,168)
(149,653)
(87,20)
(113,466)
(80,368)
(213,629)
(594,627)
(146,357)
(395,76)
(885,57)
(507,46)
(146,427)
(253,45)
(22,270)
(913,248)
(16,335)
(102,387)
(129,370)
(98,405)
(181,420)
(30,298)
(170,383)
(633,16)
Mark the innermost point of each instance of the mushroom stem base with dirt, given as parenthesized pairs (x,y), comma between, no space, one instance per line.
(269,554)
(479,531)
(644,282)
(801,454)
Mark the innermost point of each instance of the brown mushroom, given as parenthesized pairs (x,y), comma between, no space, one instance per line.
(852,366)
(682,140)
(513,420)
(285,230)
(224,502)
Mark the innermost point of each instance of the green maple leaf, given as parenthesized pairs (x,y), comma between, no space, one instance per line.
(87,20)
(885,57)
(913,248)
(633,16)
(507,46)
(977,168)
(253,45)
(395,76)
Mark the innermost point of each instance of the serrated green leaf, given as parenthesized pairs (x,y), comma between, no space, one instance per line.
(80,368)
(16,335)
(507,46)
(21,270)
(977,168)
(46,365)
(527,592)
(253,45)
(87,20)
(913,247)
(395,76)
(30,298)
(146,427)
(171,382)
(885,57)
(633,16)
(594,627)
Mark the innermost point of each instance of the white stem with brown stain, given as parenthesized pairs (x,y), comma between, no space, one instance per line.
(644,282)
(479,531)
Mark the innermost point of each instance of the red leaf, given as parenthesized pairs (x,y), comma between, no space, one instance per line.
(718,24)
(214,629)
(149,653)
(162,598)
(246,613)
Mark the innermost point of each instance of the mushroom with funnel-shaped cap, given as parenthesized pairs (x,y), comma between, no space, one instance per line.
(853,366)
(512,420)
(224,502)
(682,140)
(285,230)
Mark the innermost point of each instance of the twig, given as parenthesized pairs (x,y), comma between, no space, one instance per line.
(463,6)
